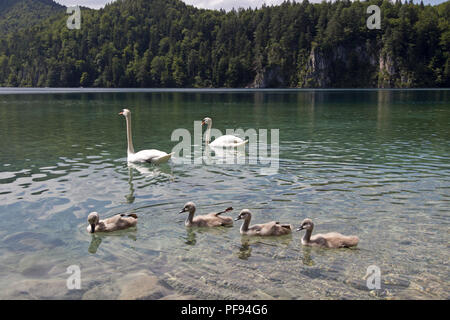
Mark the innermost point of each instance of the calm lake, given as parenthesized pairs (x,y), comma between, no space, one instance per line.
(373,163)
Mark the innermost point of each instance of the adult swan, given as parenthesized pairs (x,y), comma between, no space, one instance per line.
(153,156)
(227,140)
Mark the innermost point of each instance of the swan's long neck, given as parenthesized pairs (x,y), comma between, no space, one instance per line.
(307,236)
(130,149)
(208,132)
(190,217)
(246,224)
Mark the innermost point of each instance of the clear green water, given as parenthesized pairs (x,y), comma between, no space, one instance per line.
(371,163)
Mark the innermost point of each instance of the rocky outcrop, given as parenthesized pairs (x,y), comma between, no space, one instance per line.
(343,66)
(387,71)
(269,77)
(315,73)
(391,75)
(340,67)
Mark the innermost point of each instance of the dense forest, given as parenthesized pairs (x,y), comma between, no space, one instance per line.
(166,43)
(16,14)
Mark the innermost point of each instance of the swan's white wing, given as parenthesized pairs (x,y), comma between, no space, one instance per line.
(227,140)
(153,156)
(162,159)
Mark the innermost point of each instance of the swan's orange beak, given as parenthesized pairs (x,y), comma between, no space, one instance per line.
(121,113)
(203,122)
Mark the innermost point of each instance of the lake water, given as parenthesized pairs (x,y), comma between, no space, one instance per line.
(374,163)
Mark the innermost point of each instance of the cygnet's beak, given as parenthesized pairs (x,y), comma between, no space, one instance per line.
(183,210)
(300,229)
(92,228)
(238,218)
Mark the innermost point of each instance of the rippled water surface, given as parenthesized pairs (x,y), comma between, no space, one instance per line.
(370,163)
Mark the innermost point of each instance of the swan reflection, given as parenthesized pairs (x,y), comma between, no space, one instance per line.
(130,197)
(224,155)
(306,257)
(191,237)
(97,238)
(147,171)
(191,233)
(245,251)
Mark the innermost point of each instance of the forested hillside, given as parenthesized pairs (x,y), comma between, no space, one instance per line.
(165,43)
(16,14)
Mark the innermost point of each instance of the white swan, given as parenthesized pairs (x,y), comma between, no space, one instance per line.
(153,156)
(227,140)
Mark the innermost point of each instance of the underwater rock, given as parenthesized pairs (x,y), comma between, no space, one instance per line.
(35,265)
(30,241)
(261,295)
(178,296)
(142,285)
(102,292)
(38,289)
(426,286)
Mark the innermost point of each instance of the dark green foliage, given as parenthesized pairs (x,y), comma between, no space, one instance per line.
(165,43)
(16,14)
